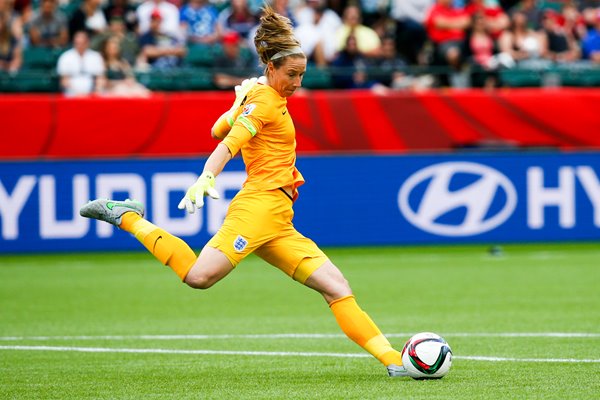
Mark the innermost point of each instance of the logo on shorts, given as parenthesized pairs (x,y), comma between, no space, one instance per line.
(240,243)
(248,109)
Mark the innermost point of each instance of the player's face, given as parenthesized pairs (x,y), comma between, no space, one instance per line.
(288,77)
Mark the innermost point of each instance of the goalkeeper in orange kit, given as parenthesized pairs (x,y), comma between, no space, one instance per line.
(259,218)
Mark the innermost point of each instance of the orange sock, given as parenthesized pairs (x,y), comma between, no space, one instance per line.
(168,249)
(359,327)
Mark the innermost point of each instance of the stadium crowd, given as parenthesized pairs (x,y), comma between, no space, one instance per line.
(363,43)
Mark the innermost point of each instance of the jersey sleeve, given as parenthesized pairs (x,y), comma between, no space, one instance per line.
(255,113)
(250,118)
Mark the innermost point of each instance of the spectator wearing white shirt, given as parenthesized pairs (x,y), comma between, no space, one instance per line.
(81,69)
(316,32)
(169,14)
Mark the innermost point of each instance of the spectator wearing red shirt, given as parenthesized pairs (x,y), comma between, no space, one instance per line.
(496,20)
(446,27)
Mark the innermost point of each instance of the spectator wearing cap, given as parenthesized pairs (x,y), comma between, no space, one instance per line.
(169,15)
(159,50)
(232,66)
(198,19)
(591,43)
(48,27)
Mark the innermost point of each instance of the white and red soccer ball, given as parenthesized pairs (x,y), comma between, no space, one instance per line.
(426,356)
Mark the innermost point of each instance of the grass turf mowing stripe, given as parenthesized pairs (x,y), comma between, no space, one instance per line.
(274,353)
(565,335)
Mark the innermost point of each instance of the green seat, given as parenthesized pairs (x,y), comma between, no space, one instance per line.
(317,78)
(201,55)
(521,77)
(40,58)
(29,82)
(177,79)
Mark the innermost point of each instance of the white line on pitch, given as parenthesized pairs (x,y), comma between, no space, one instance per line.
(274,353)
(296,336)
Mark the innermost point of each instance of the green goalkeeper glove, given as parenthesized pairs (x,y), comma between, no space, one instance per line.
(194,197)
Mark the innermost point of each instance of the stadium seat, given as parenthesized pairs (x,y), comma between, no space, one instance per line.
(200,55)
(317,78)
(177,80)
(521,77)
(41,58)
(29,81)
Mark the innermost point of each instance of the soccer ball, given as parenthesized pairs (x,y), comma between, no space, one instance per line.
(426,356)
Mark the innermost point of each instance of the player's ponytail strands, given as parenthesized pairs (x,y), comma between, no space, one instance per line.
(361,329)
(275,38)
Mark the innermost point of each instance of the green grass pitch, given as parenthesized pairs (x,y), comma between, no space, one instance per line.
(524,324)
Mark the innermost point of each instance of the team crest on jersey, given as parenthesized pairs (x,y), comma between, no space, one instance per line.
(248,108)
(240,243)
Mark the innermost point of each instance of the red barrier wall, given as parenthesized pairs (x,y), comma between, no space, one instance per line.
(50,126)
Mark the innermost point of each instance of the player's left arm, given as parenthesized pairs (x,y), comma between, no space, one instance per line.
(223,125)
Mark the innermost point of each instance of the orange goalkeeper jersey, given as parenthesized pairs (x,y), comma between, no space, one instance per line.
(264,132)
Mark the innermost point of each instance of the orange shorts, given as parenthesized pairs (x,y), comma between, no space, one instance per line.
(260,222)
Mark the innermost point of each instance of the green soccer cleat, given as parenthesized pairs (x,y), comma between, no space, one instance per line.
(396,370)
(110,211)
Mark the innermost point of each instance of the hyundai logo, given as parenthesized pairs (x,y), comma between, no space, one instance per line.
(457,199)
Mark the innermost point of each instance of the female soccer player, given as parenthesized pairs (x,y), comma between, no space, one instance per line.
(259,218)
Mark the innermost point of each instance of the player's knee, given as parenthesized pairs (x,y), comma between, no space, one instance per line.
(200,281)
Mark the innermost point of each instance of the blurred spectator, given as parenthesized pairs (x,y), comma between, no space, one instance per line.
(11,56)
(232,67)
(81,69)
(24,8)
(573,22)
(282,7)
(562,46)
(120,80)
(328,17)
(480,45)
(88,17)
(199,22)
(12,18)
(447,27)
(532,12)
(390,66)
(520,41)
(128,41)
(124,10)
(317,35)
(349,67)
(591,43)
(48,27)
(410,31)
(496,20)
(367,40)
(237,18)
(169,17)
(159,50)
(373,10)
